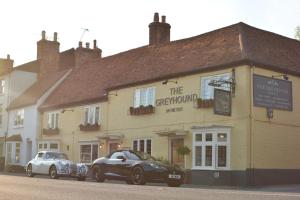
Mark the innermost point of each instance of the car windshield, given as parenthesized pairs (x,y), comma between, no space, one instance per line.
(140,156)
(53,155)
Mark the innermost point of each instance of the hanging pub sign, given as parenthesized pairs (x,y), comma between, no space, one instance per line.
(272,93)
(222,102)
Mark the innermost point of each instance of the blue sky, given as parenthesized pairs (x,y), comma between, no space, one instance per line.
(119,25)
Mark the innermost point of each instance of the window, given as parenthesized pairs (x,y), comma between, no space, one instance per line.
(211,149)
(2,86)
(48,145)
(116,154)
(19,118)
(207,91)
(40,155)
(142,145)
(144,97)
(88,152)
(52,120)
(92,115)
(13,150)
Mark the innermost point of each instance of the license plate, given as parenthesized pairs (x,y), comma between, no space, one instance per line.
(173,176)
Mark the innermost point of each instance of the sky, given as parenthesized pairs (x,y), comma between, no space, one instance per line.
(120,25)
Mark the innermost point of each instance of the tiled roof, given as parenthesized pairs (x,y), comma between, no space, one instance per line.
(32,94)
(33,66)
(226,47)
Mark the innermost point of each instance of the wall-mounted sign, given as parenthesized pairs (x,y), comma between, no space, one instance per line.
(222,102)
(176,97)
(272,93)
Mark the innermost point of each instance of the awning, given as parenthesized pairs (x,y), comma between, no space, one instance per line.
(111,137)
(14,138)
(169,133)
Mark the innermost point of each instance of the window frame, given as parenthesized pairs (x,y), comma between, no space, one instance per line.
(204,88)
(2,86)
(91,111)
(138,94)
(55,120)
(48,144)
(16,113)
(214,143)
(145,144)
(13,153)
(91,152)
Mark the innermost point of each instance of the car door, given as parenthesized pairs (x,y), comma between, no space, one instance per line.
(36,168)
(115,164)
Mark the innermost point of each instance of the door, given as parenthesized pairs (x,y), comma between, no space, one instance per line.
(175,157)
(28,151)
(113,147)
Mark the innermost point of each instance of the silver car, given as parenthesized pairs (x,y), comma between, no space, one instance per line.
(55,165)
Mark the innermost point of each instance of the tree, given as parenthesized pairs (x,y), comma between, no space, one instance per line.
(297,33)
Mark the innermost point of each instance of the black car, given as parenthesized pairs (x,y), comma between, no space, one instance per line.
(136,168)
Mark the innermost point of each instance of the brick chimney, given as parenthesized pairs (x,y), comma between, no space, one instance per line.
(85,54)
(6,65)
(48,54)
(159,32)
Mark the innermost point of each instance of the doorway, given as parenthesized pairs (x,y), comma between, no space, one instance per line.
(113,146)
(175,157)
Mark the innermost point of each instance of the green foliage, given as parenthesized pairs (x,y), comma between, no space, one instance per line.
(297,33)
(183,150)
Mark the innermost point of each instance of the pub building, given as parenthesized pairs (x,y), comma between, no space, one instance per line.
(224,105)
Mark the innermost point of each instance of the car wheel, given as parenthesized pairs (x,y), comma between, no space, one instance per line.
(129,182)
(99,174)
(81,178)
(137,176)
(174,184)
(29,171)
(53,173)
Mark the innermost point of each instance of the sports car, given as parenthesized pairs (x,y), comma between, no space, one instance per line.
(136,168)
(55,165)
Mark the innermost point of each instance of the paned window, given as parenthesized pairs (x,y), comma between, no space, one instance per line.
(52,120)
(207,91)
(144,97)
(142,145)
(2,86)
(88,152)
(19,118)
(92,115)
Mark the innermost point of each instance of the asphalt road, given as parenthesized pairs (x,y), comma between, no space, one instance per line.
(24,188)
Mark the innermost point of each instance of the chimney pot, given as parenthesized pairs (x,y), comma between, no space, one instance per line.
(43,35)
(95,44)
(163,19)
(55,36)
(8,57)
(87,45)
(156,17)
(80,44)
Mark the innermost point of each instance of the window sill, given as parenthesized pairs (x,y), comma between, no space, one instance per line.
(211,169)
(89,127)
(50,131)
(19,126)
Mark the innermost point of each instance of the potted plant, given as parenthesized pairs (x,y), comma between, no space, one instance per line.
(184,150)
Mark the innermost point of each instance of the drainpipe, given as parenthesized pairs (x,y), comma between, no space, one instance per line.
(251,127)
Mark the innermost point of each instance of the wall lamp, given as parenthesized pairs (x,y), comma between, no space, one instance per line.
(114,94)
(167,81)
(65,110)
(284,76)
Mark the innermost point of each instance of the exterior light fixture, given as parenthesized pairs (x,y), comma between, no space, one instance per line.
(114,94)
(283,76)
(167,81)
(100,146)
(229,83)
(64,110)
(119,145)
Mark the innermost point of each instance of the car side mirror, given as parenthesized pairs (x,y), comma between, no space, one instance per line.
(121,158)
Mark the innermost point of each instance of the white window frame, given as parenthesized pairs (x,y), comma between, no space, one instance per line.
(13,153)
(205,80)
(52,123)
(91,145)
(48,143)
(2,86)
(142,97)
(16,113)
(145,144)
(214,145)
(91,116)
(1,115)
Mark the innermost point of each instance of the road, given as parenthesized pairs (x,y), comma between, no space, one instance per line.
(24,188)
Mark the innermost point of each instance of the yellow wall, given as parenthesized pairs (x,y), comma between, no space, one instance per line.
(276,141)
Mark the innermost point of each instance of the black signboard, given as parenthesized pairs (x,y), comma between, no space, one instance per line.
(272,93)
(222,102)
